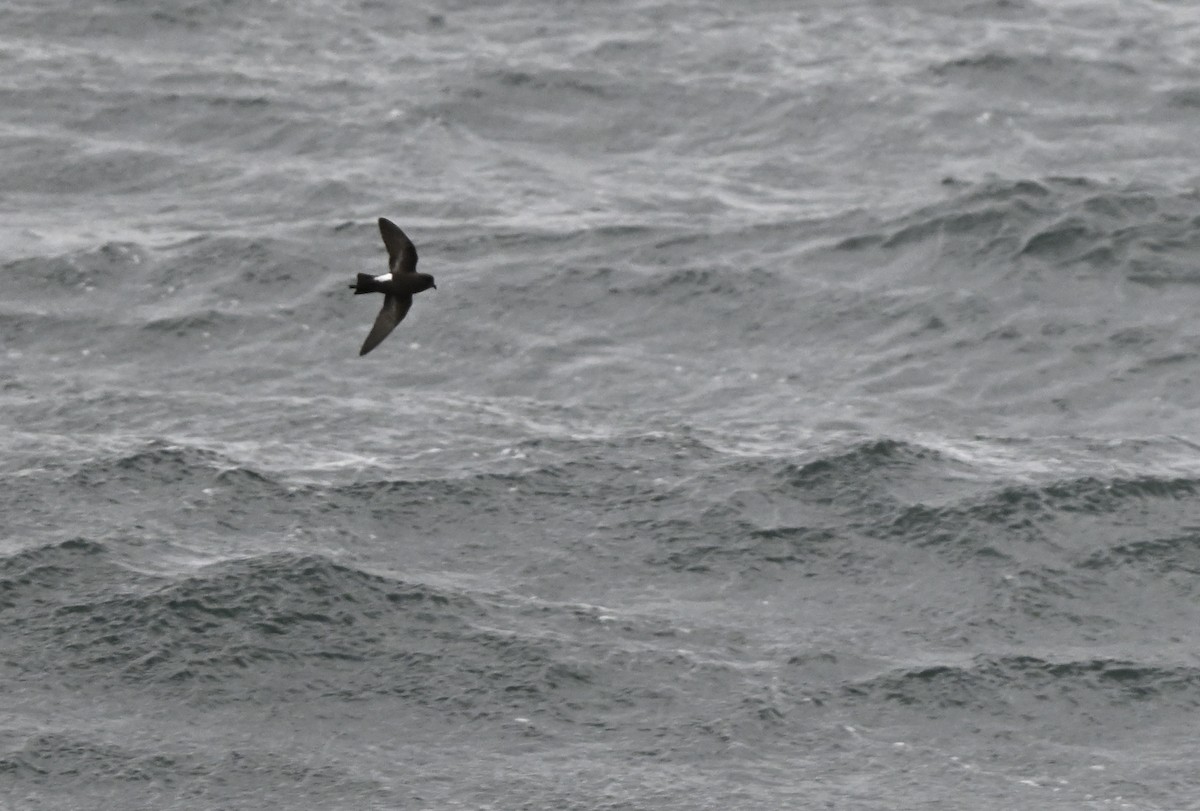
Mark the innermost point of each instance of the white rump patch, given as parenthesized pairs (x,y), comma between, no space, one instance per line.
(386,277)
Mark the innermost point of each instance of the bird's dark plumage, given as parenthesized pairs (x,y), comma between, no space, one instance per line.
(393,312)
(402,254)
(398,286)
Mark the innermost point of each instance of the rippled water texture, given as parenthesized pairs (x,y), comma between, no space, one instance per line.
(804,417)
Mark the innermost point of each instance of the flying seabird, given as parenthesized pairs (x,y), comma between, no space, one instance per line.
(398,285)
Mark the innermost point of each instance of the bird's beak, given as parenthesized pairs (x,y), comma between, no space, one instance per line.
(435,287)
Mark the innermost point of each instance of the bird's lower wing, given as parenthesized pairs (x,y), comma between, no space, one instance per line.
(393,312)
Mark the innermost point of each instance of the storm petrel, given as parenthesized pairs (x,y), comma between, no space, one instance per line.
(398,285)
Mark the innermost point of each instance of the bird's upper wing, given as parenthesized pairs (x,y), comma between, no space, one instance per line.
(402,254)
(393,312)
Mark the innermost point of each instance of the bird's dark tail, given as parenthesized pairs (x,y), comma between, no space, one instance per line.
(365,284)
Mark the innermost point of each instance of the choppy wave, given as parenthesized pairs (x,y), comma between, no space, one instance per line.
(1023,684)
(803,417)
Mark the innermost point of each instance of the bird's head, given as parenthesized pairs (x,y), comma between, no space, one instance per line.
(424,282)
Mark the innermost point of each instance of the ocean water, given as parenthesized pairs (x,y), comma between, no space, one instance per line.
(805,417)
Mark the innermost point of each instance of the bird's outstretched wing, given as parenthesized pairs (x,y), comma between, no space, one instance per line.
(402,254)
(393,312)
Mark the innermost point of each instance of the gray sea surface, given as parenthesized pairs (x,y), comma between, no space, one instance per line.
(805,417)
